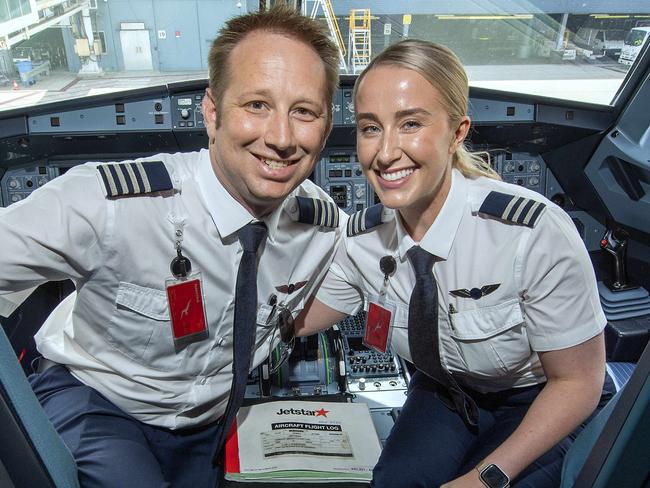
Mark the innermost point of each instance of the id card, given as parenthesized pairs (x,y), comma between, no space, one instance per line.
(378,323)
(186,309)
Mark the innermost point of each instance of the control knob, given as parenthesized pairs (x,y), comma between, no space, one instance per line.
(185,113)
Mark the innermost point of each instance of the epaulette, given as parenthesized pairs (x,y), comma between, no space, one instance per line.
(134,178)
(512,208)
(318,212)
(365,219)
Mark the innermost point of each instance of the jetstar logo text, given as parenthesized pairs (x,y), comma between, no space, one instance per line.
(301,411)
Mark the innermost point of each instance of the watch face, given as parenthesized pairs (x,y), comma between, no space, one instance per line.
(494,477)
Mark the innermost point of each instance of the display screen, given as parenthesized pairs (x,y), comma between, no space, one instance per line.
(494,477)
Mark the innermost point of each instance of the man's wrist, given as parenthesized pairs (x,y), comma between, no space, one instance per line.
(492,475)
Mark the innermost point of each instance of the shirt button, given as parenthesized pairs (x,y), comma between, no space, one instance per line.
(203,381)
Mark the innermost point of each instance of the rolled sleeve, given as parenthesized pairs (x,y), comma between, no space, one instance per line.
(339,289)
(561,301)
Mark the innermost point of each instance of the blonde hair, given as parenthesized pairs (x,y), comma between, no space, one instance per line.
(442,68)
(280,20)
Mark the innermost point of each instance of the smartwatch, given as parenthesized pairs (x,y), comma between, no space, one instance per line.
(492,476)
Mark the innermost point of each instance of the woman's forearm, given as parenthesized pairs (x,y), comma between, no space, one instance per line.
(559,408)
(575,378)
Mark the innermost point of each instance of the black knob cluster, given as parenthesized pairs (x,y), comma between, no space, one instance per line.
(375,362)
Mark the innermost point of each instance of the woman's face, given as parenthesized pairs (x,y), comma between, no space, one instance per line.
(405,141)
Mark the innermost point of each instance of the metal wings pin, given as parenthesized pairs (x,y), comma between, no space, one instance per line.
(291,287)
(475,293)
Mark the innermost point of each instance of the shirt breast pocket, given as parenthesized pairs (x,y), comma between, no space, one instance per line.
(491,340)
(141,329)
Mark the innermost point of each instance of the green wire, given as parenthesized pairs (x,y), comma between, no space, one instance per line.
(328,379)
(279,371)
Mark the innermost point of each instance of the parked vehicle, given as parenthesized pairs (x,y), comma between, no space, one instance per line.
(602,42)
(634,42)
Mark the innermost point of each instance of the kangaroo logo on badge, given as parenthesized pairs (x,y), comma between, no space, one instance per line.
(378,323)
(186,311)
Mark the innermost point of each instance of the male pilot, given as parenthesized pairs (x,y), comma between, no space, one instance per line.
(176,260)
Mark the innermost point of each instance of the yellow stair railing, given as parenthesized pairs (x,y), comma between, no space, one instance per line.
(333,26)
(359,40)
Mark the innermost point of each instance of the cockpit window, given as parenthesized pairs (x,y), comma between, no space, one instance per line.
(66,49)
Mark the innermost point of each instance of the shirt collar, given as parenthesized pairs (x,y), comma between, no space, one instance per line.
(227,213)
(440,236)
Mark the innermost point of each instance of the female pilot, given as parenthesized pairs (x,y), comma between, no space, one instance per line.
(484,286)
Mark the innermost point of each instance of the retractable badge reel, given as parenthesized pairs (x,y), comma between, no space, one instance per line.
(277,315)
(380,311)
(185,297)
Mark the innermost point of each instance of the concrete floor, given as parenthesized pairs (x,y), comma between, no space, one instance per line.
(63,85)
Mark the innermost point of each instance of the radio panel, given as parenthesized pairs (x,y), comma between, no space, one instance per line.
(187,112)
(339,173)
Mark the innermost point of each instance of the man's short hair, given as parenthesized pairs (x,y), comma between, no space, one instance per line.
(280,20)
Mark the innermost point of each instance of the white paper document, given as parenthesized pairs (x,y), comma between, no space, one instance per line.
(302,441)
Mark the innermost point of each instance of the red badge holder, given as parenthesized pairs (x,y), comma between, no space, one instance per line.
(186,309)
(379,320)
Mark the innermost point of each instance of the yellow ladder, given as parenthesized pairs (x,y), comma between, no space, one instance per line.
(359,41)
(333,26)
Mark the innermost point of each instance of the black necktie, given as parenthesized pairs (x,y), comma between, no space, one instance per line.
(250,237)
(423,335)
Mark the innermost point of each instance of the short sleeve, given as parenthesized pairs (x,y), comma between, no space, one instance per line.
(561,302)
(339,290)
(54,234)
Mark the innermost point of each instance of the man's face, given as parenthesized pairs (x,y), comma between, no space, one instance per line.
(273,120)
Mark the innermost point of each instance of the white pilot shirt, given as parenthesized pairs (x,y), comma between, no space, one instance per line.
(546,300)
(115,335)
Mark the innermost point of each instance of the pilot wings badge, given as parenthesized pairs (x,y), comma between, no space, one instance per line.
(475,293)
(291,287)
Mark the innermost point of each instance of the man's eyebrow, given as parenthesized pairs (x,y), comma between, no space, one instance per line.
(309,100)
(263,92)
